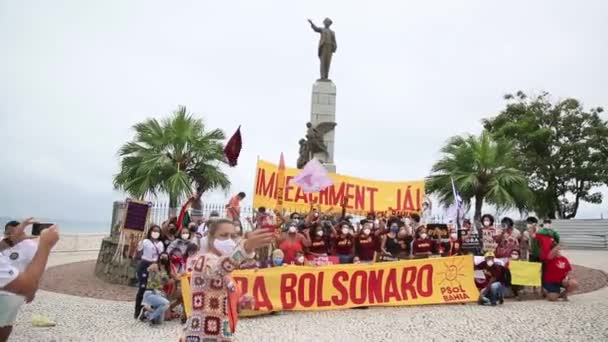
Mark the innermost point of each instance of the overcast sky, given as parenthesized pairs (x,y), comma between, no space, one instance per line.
(76,75)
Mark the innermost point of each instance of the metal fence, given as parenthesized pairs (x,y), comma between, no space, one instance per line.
(582,233)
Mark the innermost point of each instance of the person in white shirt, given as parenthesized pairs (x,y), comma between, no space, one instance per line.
(150,249)
(19,286)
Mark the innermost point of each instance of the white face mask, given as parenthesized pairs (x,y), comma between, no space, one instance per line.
(490,263)
(454,236)
(344,231)
(486,223)
(300,260)
(224,246)
(408,221)
(155,235)
(185,236)
(366,231)
(514,256)
(293,229)
(423,236)
(319,232)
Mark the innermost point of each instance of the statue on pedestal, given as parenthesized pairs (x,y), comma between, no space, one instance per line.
(314,143)
(327,46)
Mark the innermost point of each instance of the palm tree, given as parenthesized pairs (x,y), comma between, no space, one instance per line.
(483,169)
(173,157)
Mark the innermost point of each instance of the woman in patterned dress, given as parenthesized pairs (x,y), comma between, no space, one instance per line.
(213,317)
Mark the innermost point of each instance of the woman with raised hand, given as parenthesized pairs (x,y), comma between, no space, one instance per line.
(211,284)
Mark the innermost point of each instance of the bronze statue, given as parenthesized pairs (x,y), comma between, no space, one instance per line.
(304,156)
(314,138)
(327,46)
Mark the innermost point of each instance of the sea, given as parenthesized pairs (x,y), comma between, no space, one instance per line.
(69,226)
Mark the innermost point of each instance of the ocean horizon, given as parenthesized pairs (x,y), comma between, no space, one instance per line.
(69,226)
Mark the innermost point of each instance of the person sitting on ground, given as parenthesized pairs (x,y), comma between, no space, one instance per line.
(300,260)
(19,283)
(344,243)
(172,289)
(366,244)
(497,278)
(423,246)
(508,241)
(291,242)
(155,300)
(557,280)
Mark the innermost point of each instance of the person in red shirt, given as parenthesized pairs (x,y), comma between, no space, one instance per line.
(496,280)
(292,243)
(366,244)
(344,243)
(233,209)
(319,243)
(453,246)
(557,281)
(423,246)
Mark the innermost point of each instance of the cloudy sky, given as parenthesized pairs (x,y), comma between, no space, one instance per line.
(76,75)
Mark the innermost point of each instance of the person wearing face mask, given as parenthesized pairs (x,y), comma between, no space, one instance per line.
(300,259)
(527,237)
(181,243)
(497,277)
(453,246)
(509,240)
(391,245)
(515,256)
(366,244)
(292,242)
(211,282)
(155,297)
(488,234)
(319,242)
(344,243)
(277,258)
(150,249)
(423,246)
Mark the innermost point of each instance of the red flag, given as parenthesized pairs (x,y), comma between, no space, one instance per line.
(233,148)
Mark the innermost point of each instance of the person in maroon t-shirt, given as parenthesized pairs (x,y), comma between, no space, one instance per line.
(497,278)
(423,246)
(557,281)
(344,243)
(366,244)
(319,244)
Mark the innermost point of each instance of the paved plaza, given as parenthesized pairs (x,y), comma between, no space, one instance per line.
(581,319)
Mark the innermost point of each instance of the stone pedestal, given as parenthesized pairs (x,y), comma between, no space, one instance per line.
(323,109)
(115,272)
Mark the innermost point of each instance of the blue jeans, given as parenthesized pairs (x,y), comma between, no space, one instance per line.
(494,293)
(158,303)
(345,258)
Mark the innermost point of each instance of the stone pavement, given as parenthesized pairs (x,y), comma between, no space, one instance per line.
(581,319)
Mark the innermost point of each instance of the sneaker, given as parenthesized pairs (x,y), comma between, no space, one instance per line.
(501,301)
(143,316)
(154,322)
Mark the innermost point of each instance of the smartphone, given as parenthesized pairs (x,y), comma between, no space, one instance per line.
(37,228)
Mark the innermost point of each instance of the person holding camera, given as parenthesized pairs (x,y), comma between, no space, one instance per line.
(19,280)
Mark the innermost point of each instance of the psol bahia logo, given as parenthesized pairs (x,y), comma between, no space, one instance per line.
(451,288)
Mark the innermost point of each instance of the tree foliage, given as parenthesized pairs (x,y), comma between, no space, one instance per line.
(561,147)
(483,169)
(172,156)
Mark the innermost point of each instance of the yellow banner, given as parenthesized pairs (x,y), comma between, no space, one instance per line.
(525,273)
(413,282)
(362,195)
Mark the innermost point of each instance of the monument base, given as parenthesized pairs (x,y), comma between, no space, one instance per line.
(323,109)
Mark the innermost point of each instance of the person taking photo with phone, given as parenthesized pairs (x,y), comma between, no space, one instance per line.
(19,281)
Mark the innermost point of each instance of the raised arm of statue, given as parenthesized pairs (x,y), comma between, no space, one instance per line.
(314,27)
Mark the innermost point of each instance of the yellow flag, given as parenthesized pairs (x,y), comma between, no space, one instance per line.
(525,273)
